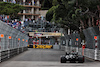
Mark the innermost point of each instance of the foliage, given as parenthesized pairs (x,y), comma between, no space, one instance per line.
(75,13)
(10,8)
(50,13)
(46,4)
(82,36)
(55,2)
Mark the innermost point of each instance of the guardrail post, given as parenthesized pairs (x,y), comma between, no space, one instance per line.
(1,37)
(0,53)
(96,48)
(83,47)
(18,44)
(0,49)
(8,50)
(77,44)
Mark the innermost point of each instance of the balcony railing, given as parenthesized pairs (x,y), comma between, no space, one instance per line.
(22,3)
(25,3)
(29,12)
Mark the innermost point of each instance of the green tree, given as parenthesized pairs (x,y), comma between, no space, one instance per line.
(88,13)
(63,14)
(76,13)
(46,4)
(50,13)
(55,2)
(10,9)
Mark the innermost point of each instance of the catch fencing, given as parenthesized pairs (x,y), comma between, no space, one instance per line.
(12,41)
(64,41)
(72,44)
(73,38)
(91,50)
(89,35)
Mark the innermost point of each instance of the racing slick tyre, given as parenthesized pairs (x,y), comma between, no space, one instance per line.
(81,59)
(63,60)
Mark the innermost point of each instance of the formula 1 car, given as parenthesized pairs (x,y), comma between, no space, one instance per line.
(72,58)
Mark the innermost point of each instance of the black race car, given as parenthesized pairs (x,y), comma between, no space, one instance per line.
(72,57)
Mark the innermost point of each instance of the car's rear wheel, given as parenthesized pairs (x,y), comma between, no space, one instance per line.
(81,59)
(63,60)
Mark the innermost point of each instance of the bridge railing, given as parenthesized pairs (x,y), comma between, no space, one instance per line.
(12,41)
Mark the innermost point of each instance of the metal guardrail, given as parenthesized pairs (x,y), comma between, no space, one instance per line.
(98,54)
(13,45)
(90,53)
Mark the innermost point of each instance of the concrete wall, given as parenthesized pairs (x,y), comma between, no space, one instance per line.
(43,12)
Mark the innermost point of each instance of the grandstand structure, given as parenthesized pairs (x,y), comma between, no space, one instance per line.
(40,31)
(43,32)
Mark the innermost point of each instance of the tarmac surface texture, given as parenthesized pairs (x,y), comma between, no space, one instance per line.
(44,58)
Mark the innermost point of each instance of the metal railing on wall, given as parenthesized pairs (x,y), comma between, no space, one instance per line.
(12,41)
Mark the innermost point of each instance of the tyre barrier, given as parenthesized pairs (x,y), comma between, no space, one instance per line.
(12,42)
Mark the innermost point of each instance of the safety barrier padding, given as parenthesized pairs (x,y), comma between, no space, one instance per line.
(41,46)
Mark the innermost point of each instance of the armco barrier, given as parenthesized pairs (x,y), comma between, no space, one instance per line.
(12,41)
(90,53)
(98,54)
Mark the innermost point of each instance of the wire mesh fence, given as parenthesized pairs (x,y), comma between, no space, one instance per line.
(89,35)
(12,41)
(90,49)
